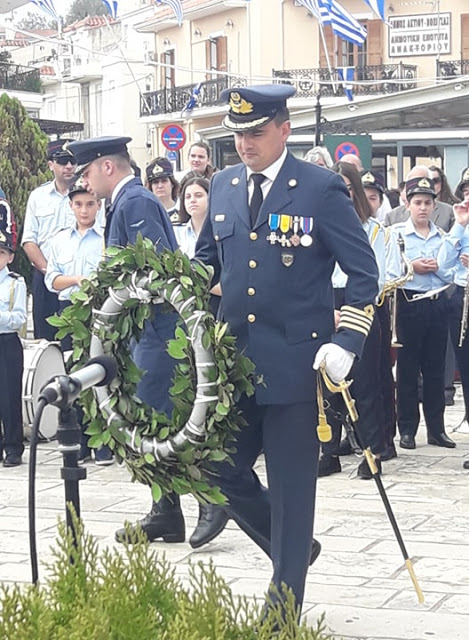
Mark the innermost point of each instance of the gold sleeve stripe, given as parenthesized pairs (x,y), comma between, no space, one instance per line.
(374,235)
(356,321)
(367,312)
(347,325)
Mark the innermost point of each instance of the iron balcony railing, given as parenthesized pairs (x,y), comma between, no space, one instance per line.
(18,78)
(448,69)
(372,79)
(154,103)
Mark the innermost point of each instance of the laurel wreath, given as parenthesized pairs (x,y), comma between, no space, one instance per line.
(185,470)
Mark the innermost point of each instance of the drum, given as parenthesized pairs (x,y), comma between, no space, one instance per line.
(42,361)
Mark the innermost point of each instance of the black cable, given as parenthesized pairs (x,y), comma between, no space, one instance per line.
(32,488)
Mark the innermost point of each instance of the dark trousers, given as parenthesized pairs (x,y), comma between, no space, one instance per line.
(279,520)
(388,387)
(422,327)
(11,387)
(45,304)
(366,390)
(455,307)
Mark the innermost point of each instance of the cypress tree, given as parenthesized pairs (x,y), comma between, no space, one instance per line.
(23,165)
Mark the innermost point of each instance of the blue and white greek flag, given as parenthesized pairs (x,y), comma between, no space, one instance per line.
(176,6)
(345,75)
(378,7)
(48,7)
(192,102)
(342,22)
(112,7)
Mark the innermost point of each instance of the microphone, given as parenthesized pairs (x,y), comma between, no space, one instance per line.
(65,389)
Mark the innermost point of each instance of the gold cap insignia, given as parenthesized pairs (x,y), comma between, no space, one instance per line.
(156,170)
(465,175)
(424,183)
(368,177)
(239,105)
(65,146)
(2,237)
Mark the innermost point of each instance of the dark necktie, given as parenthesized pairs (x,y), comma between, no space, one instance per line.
(257,197)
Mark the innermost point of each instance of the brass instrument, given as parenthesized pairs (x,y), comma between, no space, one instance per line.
(392,286)
(465,312)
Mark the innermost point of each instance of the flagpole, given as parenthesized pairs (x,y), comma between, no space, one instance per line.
(326,53)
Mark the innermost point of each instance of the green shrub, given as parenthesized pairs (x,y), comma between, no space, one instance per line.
(135,595)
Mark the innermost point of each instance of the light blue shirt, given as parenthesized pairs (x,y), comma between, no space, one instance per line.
(186,238)
(417,246)
(454,244)
(47,212)
(376,236)
(72,254)
(13,319)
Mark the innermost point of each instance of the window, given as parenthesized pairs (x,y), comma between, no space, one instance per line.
(216,54)
(168,76)
(345,54)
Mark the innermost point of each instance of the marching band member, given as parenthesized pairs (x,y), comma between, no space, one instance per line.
(454,254)
(422,321)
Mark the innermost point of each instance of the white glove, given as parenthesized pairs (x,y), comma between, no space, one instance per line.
(337,361)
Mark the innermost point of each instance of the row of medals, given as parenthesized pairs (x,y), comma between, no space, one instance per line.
(281,222)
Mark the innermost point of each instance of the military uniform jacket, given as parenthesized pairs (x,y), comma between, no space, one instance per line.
(278,300)
(136,210)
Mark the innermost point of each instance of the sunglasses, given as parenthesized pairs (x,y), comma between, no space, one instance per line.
(64,160)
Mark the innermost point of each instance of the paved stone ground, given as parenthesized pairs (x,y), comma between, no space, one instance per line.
(359,580)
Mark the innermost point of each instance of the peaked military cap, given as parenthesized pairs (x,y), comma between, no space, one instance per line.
(420,185)
(85,151)
(77,187)
(159,168)
(58,148)
(372,180)
(6,241)
(255,106)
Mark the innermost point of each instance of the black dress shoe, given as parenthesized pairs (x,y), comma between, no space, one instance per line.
(328,465)
(11,460)
(442,440)
(212,521)
(168,525)
(364,471)
(389,453)
(407,442)
(315,551)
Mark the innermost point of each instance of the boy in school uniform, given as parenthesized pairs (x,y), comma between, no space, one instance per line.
(12,317)
(75,252)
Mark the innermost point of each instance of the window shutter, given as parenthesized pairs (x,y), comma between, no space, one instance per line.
(329,38)
(374,42)
(465,36)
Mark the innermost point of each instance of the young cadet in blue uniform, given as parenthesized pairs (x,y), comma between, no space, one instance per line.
(47,212)
(75,253)
(275,228)
(12,317)
(422,321)
(104,164)
(454,254)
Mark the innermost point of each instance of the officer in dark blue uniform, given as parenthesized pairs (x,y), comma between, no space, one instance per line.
(104,164)
(275,228)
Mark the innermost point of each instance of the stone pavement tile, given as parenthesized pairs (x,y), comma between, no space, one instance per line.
(450,528)
(386,624)
(362,565)
(419,548)
(11,572)
(453,570)
(402,582)
(407,600)
(455,604)
(368,525)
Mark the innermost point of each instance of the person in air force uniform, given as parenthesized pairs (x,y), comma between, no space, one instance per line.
(275,228)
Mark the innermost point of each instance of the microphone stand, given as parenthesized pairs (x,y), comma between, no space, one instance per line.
(68,437)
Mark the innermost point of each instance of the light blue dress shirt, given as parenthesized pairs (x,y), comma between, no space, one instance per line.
(454,244)
(186,238)
(376,236)
(74,254)
(47,212)
(417,246)
(13,319)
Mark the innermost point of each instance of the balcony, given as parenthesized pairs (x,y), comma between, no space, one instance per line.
(450,69)
(81,70)
(377,79)
(155,103)
(14,77)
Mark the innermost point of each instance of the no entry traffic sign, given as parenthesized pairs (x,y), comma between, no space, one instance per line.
(173,137)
